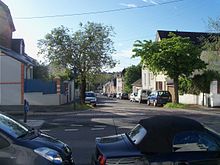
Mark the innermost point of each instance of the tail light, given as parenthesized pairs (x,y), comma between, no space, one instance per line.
(101,160)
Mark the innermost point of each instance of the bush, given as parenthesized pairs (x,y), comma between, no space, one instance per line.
(174,105)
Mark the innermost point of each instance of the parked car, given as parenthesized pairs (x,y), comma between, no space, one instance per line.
(124,96)
(20,144)
(132,96)
(159,98)
(142,95)
(160,140)
(90,98)
(118,95)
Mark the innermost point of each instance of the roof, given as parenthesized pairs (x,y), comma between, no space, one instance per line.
(137,83)
(195,37)
(24,58)
(5,7)
(162,129)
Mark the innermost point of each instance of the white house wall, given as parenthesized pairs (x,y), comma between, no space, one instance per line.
(10,81)
(118,85)
(148,79)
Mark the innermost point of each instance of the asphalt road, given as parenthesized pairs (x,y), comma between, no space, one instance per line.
(110,117)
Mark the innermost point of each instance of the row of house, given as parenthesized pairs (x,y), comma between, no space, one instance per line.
(161,82)
(16,72)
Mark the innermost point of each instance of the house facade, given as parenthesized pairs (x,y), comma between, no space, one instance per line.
(15,65)
(162,82)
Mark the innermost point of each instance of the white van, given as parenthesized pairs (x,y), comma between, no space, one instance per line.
(142,95)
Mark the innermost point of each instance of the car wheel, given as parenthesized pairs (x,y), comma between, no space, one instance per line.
(148,102)
(155,103)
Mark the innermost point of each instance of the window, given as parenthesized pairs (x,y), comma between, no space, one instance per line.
(137,134)
(218,86)
(3,142)
(194,141)
(159,85)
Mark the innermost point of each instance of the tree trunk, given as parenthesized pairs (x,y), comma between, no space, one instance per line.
(176,90)
(83,90)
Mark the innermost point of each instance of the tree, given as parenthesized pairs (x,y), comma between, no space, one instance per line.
(174,56)
(203,81)
(132,74)
(88,50)
(40,71)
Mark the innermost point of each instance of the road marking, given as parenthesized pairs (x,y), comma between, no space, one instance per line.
(76,125)
(45,130)
(69,130)
(97,129)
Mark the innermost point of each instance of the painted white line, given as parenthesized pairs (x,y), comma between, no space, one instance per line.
(69,130)
(97,129)
(100,126)
(45,130)
(76,125)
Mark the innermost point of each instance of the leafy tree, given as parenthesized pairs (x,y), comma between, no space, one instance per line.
(132,74)
(174,56)
(203,81)
(40,71)
(87,51)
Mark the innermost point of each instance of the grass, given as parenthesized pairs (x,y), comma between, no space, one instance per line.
(82,106)
(175,106)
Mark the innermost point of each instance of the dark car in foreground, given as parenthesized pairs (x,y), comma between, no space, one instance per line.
(159,97)
(22,145)
(168,140)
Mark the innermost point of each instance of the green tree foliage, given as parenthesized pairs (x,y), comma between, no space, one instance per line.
(174,56)
(40,71)
(88,50)
(132,74)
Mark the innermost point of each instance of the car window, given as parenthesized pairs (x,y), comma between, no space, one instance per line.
(3,142)
(163,93)
(194,141)
(137,134)
(12,127)
(90,94)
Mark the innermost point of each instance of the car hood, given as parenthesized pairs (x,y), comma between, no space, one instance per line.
(43,140)
(116,146)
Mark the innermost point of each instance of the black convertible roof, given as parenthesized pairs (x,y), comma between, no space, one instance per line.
(162,129)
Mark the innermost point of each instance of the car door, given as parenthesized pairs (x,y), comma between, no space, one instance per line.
(195,148)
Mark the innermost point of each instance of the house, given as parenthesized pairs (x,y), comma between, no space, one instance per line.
(120,81)
(136,85)
(15,65)
(162,82)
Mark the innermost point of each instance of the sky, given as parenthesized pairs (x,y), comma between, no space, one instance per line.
(131,19)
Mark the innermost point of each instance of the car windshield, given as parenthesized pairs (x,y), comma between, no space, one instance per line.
(90,94)
(12,127)
(137,134)
(164,93)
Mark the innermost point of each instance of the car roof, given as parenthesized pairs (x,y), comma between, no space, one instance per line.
(161,130)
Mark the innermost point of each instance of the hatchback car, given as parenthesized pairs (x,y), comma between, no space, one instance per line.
(90,98)
(160,140)
(20,144)
(132,96)
(159,98)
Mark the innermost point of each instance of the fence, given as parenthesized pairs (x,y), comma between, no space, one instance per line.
(46,87)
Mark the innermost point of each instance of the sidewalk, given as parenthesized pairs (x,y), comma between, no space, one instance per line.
(18,110)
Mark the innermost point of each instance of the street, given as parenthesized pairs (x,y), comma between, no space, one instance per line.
(110,117)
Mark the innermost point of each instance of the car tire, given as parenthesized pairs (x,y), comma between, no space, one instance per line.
(155,103)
